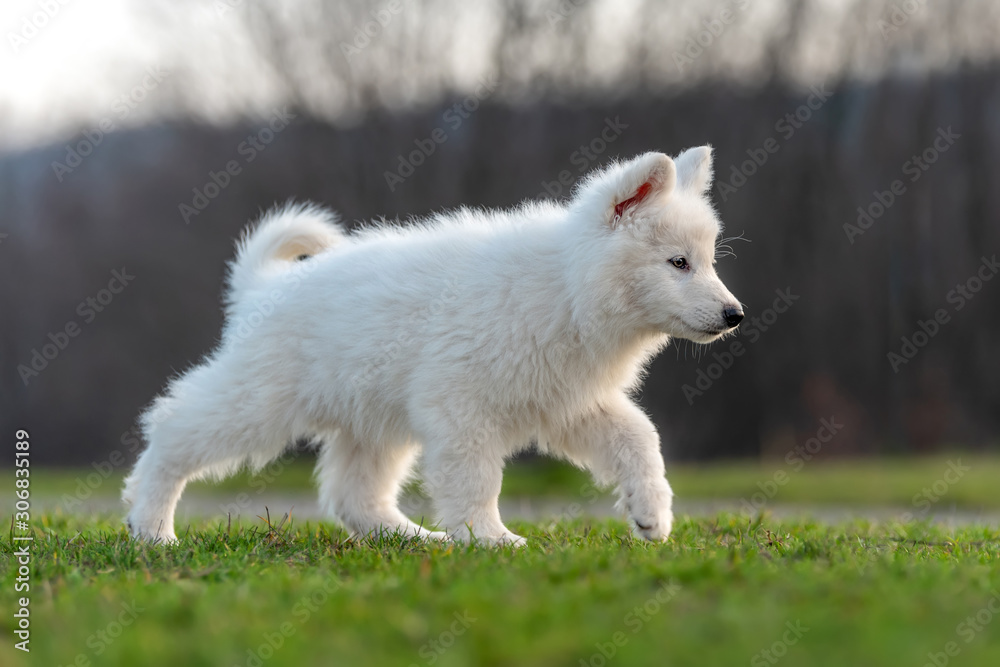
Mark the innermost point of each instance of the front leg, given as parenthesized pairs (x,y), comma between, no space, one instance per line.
(620,445)
(464,478)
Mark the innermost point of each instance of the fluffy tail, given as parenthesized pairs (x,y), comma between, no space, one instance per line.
(285,234)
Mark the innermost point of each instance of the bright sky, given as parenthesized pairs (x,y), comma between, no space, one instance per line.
(52,66)
(65,64)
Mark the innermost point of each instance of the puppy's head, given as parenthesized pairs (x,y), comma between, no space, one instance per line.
(655,214)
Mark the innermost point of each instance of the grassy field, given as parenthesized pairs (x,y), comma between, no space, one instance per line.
(726,591)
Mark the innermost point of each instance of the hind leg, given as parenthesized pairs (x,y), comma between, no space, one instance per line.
(153,489)
(360,483)
(192,434)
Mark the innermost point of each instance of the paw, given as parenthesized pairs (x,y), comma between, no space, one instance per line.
(509,539)
(503,539)
(650,510)
(654,531)
(151,535)
(392,527)
(652,526)
(434,535)
(153,538)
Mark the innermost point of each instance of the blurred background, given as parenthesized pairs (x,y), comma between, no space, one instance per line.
(856,148)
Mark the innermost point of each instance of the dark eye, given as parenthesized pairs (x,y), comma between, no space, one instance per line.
(680,262)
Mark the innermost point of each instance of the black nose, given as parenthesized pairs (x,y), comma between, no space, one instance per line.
(732,316)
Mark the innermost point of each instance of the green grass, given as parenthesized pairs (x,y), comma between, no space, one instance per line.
(860,594)
(875,481)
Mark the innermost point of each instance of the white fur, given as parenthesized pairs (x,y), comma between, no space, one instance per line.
(468,336)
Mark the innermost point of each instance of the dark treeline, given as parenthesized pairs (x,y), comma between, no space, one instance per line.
(792,186)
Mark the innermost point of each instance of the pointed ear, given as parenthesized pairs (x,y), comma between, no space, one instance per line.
(646,179)
(694,169)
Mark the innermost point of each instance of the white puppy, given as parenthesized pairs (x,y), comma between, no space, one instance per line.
(468,336)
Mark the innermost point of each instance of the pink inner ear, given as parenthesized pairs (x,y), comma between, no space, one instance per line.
(634,200)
